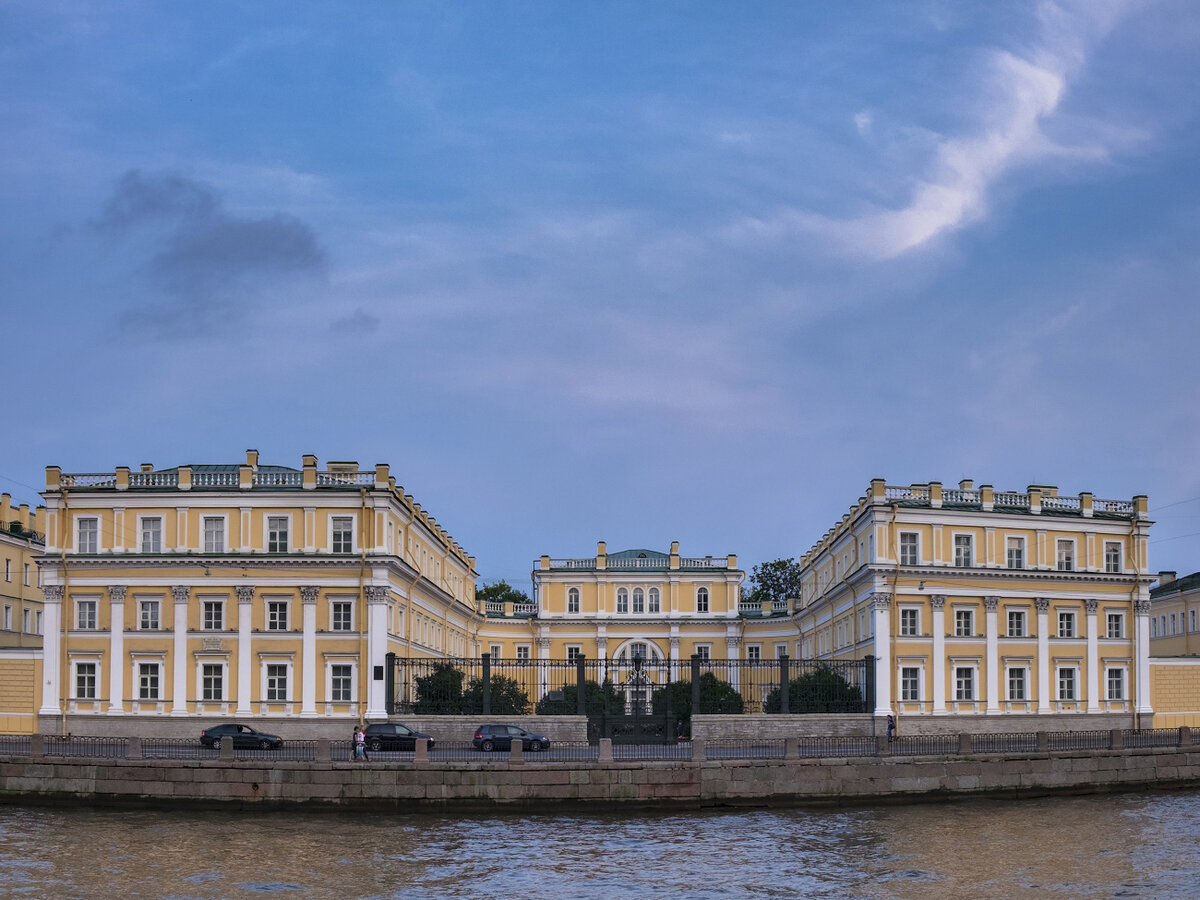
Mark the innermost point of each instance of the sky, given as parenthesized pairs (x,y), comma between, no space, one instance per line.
(633,272)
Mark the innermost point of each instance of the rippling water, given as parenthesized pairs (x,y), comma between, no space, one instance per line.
(1119,846)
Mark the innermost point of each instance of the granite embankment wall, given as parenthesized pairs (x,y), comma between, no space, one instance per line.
(517,784)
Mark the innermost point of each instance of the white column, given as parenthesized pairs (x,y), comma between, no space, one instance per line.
(116,650)
(543,645)
(1141,613)
(1045,688)
(245,673)
(1093,656)
(179,651)
(52,649)
(376,650)
(881,605)
(992,659)
(938,662)
(602,651)
(308,654)
(673,641)
(731,653)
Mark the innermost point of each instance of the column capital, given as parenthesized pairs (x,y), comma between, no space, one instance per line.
(116,593)
(1042,604)
(937,601)
(52,593)
(881,601)
(181,593)
(1141,607)
(990,603)
(245,593)
(602,644)
(1091,606)
(308,594)
(674,642)
(732,643)
(543,643)
(376,595)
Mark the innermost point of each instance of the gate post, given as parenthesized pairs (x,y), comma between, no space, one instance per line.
(389,683)
(785,705)
(695,684)
(487,684)
(868,677)
(580,679)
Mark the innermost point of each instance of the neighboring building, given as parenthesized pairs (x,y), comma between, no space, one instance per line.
(977,602)
(21,543)
(1175,615)
(241,590)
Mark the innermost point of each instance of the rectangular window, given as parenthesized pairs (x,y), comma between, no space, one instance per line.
(1016,684)
(704,651)
(38,622)
(1112,556)
(8,618)
(85,615)
(1065,554)
(1115,681)
(214,615)
(1066,624)
(964,683)
(277,682)
(27,620)
(753,651)
(964,623)
(148,681)
(89,535)
(341,681)
(1015,552)
(1172,620)
(1191,620)
(909,548)
(1116,625)
(574,651)
(963,550)
(214,534)
(343,613)
(1016,623)
(910,683)
(523,653)
(152,534)
(26,574)
(343,534)
(496,651)
(277,534)
(212,682)
(1066,683)
(910,623)
(277,615)
(148,619)
(8,570)
(85,681)
(780,651)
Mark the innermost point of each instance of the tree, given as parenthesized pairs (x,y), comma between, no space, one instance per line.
(500,592)
(507,696)
(440,692)
(597,700)
(819,691)
(775,581)
(716,696)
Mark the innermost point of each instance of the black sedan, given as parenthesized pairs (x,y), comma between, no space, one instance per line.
(244,737)
(500,737)
(394,736)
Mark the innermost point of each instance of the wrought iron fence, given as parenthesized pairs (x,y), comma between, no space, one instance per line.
(924,745)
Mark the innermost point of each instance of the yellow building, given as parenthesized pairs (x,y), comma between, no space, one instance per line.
(984,603)
(21,543)
(1175,615)
(238,590)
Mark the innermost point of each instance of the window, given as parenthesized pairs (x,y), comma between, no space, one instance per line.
(37,622)
(1115,682)
(574,651)
(85,615)
(152,534)
(910,622)
(214,534)
(639,600)
(1153,627)
(8,570)
(1065,553)
(8,618)
(1016,684)
(523,653)
(702,600)
(212,682)
(496,650)
(341,683)
(622,600)
(1116,625)
(753,651)
(573,600)
(1015,552)
(89,535)
(26,620)
(1112,557)
(148,681)
(26,574)
(343,534)
(909,548)
(343,615)
(1066,624)
(148,618)
(1191,620)
(1066,683)
(277,682)
(964,623)
(277,534)
(277,615)
(964,683)
(963,550)
(214,615)
(85,681)
(780,651)
(1172,620)
(910,683)
(1016,623)
(655,605)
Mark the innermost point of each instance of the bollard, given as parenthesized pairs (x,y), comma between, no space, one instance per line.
(133,748)
(1116,739)
(964,744)
(516,755)
(37,746)
(1043,739)
(881,744)
(698,752)
(324,753)
(1185,736)
(606,750)
(791,748)
(421,751)
(227,749)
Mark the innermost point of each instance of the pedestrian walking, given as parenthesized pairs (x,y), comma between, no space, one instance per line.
(360,743)
(891,727)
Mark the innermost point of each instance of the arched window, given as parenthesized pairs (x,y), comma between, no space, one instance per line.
(655,605)
(622,600)
(639,600)
(573,600)
(702,600)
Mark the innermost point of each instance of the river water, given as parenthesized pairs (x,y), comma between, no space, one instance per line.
(1130,845)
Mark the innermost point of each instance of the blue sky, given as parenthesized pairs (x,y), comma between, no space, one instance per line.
(625,271)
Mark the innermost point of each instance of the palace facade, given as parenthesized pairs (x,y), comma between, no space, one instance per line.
(21,543)
(1175,615)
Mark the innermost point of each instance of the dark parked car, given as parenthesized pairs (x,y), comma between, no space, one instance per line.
(244,737)
(394,736)
(500,737)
